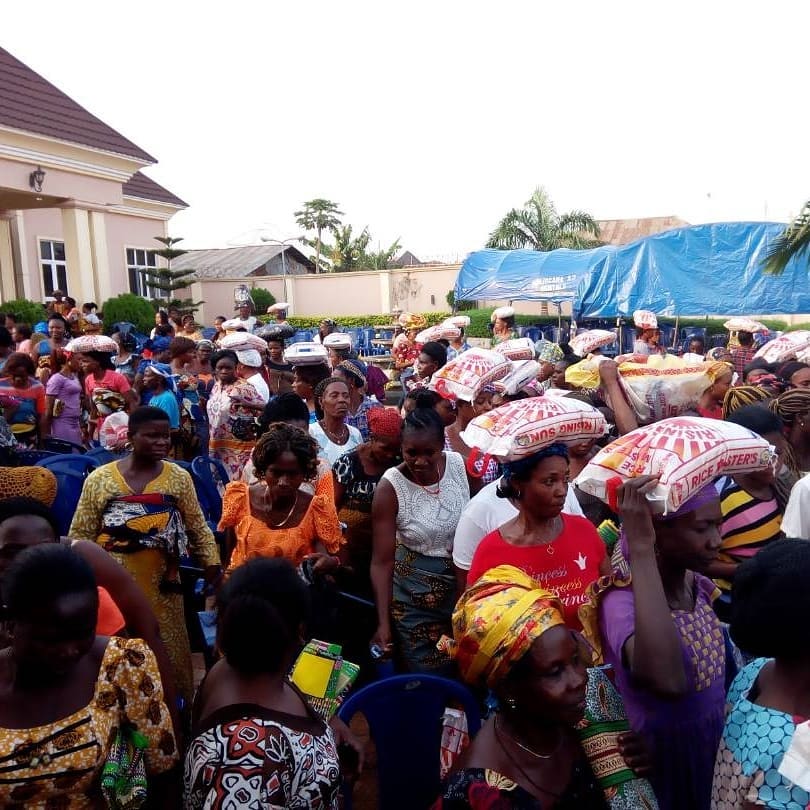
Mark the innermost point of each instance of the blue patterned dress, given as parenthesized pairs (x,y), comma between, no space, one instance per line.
(754,741)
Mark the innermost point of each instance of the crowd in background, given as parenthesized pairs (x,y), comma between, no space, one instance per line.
(499,574)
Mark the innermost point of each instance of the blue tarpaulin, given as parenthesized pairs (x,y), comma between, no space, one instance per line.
(699,270)
(526,275)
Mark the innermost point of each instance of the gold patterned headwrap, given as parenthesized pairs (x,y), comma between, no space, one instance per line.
(496,621)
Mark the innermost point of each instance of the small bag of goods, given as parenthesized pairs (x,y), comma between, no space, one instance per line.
(517,349)
(243,341)
(464,377)
(324,676)
(586,342)
(684,453)
(785,348)
(523,428)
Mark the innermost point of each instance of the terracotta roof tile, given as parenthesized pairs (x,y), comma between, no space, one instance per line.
(139,185)
(30,103)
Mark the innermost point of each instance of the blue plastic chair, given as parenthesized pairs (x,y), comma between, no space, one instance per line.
(73,462)
(212,477)
(104,456)
(69,485)
(404,715)
(31,458)
(208,332)
(62,446)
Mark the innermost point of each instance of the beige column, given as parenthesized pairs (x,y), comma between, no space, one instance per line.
(78,254)
(288,288)
(8,291)
(29,285)
(384,277)
(101,262)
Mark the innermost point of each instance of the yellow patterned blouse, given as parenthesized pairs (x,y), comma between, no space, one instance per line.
(58,766)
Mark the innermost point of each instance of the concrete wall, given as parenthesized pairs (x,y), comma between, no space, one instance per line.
(361,293)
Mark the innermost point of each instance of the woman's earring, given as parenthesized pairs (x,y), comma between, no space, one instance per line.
(511,703)
(518,495)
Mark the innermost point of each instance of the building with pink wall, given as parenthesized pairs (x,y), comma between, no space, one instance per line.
(76,212)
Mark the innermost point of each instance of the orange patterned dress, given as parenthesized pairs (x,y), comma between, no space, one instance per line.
(59,765)
(254,538)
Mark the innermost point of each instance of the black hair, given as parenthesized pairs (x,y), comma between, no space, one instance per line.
(164,330)
(757,418)
(23,331)
(224,354)
(128,342)
(423,398)
(424,420)
(285,407)
(264,598)
(312,374)
(88,305)
(5,338)
(745,338)
(47,571)
(220,318)
(180,346)
(55,316)
(280,438)
(164,317)
(523,470)
(787,370)
(28,507)
(4,315)
(435,351)
(757,363)
(146,413)
(773,583)
(698,339)
(72,301)
(104,359)
(19,360)
(320,389)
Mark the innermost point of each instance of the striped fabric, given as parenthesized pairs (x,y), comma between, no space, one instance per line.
(748,523)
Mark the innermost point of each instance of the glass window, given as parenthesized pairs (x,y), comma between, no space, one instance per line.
(140,259)
(54,267)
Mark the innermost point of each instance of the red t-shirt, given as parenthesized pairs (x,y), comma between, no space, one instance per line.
(568,571)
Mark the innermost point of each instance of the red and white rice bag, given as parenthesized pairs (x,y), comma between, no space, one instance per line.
(741,324)
(786,347)
(644,319)
(442,331)
(517,349)
(685,453)
(465,376)
(522,428)
(586,342)
(523,372)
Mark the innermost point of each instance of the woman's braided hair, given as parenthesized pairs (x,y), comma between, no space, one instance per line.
(280,438)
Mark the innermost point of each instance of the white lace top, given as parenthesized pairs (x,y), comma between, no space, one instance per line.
(426,523)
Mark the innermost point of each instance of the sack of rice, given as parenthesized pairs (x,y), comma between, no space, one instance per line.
(586,342)
(523,372)
(517,349)
(785,348)
(465,376)
(522,428)
(684,453)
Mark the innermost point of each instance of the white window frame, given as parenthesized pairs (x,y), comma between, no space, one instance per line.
(53,264)
(143,288)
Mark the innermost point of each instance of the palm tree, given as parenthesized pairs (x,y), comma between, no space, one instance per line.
(793,242)
(318,215)
(538,226)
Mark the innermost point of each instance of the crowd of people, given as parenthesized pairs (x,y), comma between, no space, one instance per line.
(492,570)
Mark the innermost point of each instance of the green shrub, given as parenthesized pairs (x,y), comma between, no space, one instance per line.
(24,311)
(129,307)
(262,299)
(462,305)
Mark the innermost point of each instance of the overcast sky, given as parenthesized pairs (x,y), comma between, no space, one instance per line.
(429,120)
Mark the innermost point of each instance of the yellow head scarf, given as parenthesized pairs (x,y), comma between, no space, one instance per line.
(496,621)
(718,369)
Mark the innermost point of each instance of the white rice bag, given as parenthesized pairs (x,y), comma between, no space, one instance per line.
(785,348)
(522,428)
(586,342)
(465,376)
(738,324)
(522,373)
(686,453)
(517,349)
(442,331)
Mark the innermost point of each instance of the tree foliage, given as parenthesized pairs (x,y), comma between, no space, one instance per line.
(168,281)
(538,226)
(262,299)
(130,308)
(318,215)
(24,311)
(793,242)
